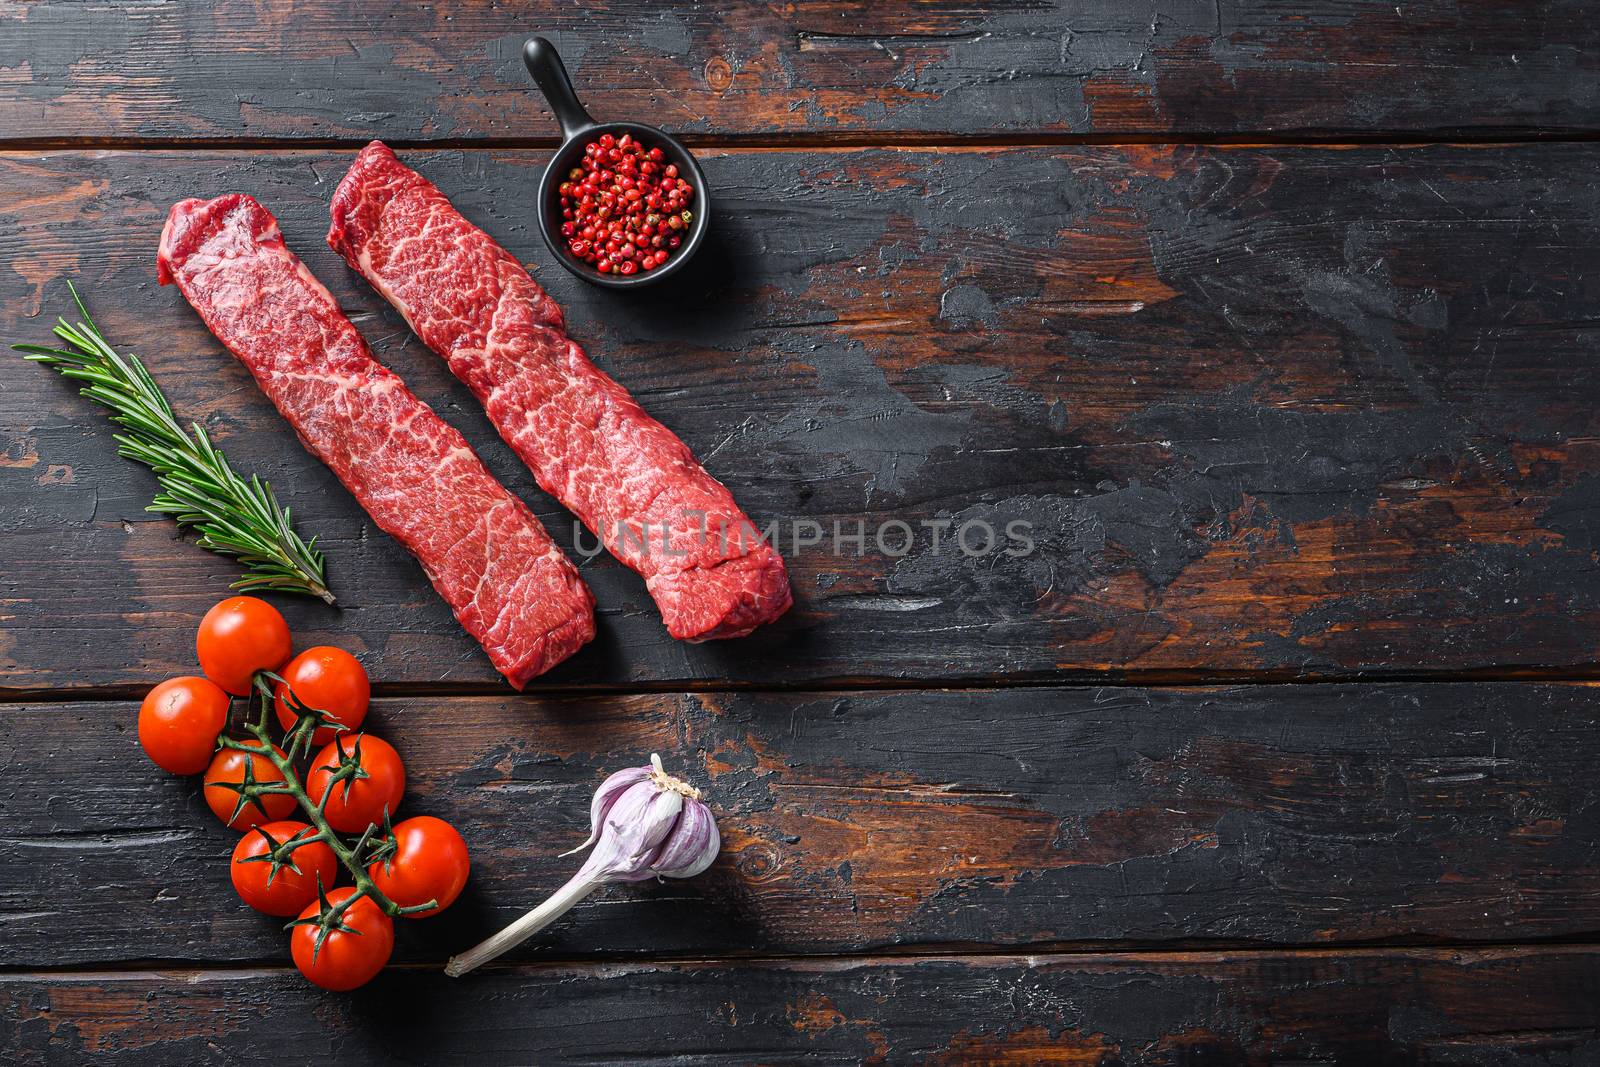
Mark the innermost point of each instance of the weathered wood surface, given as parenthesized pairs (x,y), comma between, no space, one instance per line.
(1272,412)
(359,69)
(1373,1008)
(861,821)
(1281,410)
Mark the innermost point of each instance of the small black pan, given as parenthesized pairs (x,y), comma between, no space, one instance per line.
(578,128)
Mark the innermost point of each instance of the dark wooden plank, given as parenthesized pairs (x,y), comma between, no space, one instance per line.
(1372,1008)
(1282,410)
(1279,814)
(360,69)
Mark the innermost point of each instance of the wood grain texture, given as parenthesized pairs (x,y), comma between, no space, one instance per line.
(1371,1008)
(1281,410)
(1270,413)
(859,821)
(359,69)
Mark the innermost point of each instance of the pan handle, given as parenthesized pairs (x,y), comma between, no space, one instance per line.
(551,75)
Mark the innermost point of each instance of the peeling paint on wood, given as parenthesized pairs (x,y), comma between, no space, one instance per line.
(358,69)
(1383,1007)
(860,821)
(1273,410)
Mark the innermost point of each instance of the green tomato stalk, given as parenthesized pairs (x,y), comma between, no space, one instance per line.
(375,844)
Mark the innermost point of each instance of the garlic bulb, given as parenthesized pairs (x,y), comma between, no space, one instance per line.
(644,823)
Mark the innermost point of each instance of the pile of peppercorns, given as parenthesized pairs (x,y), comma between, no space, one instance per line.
(625,209)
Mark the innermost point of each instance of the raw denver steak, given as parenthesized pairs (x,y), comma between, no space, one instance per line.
(589,444)
(482,548)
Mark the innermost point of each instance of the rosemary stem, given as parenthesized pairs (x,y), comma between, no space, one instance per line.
(233,515)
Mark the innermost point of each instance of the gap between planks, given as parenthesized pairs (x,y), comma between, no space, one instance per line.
(1089,678)
(1488,138)
(1456,952)
(1574,674)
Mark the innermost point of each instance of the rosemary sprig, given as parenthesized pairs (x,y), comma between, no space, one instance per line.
(233,517)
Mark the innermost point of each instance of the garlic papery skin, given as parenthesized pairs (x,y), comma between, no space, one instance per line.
(634,829)
(604,797)
(644,823)
(692,845)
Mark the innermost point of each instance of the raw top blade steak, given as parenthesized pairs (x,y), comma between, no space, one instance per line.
(629,478)
(484,551)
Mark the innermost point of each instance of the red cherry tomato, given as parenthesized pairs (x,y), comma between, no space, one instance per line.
(329,679)
(345,960)
(430,863)
(179,722)
(227,768)
(355,803)
(238,637)
(289,889)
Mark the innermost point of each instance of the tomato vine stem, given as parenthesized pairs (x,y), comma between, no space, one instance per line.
(355,859)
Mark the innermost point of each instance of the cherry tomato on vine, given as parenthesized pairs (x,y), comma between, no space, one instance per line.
(430,863)
(228,768)
(179,722)
(346,959)
(327,678)
(287,890)
(238,637)
(355,803)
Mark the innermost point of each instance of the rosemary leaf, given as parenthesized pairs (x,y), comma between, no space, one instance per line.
(199,490)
